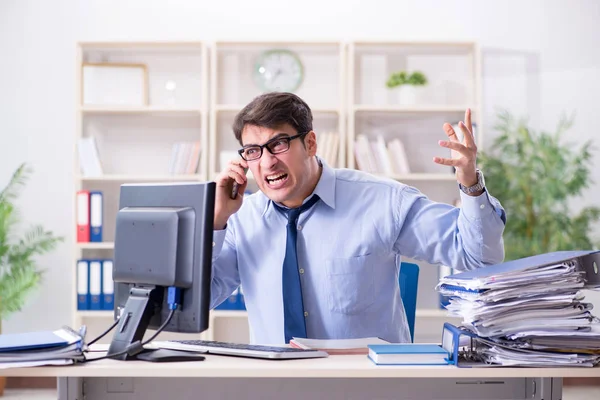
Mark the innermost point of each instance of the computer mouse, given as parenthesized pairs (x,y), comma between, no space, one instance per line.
(166,355)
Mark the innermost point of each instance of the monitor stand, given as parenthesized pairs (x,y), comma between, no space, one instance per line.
(135,318)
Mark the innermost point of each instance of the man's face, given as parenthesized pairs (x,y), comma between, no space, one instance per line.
(283,177)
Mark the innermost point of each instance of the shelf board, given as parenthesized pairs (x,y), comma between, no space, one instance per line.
(95,314)
(420,177)
(410,109)
(238,107)
(96,245)
(124,177)
(166,110)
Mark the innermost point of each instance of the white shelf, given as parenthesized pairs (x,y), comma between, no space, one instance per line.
(96,246)
(145,178)
(95,314)
(410,109)
(238,107)
(421,177)
(87,109)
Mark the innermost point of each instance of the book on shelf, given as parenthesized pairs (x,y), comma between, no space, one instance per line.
(89,160)
(327,147)
(337,346)
(184,158)
(378,157)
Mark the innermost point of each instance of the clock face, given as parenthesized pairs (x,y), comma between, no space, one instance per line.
(279,70)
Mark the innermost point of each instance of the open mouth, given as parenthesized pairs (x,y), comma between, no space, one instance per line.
(276,179)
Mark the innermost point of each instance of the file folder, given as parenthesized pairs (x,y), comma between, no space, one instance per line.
(83,283)
(587,261)
(96,216)
(38,340)
(95,288)
(108,287)
(83,216)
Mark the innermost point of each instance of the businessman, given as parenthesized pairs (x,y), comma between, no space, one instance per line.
(317,249)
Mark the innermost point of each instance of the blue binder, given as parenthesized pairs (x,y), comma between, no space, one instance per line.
(108,288)
(96,216)
(95,288)
(83,285)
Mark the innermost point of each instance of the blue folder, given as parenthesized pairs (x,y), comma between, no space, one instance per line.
(38,340)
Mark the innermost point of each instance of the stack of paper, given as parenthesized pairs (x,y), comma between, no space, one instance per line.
(528,307)
(61,347)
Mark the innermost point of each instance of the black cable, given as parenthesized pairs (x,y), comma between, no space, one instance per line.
(136,347)
(105,333)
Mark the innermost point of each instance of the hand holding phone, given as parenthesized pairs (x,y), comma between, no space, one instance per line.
(236,187)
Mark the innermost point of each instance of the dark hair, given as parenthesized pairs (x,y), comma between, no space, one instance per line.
(273,109)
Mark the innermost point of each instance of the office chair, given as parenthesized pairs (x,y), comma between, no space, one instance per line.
(409,280)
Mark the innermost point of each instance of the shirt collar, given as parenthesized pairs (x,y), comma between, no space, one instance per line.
(325,188)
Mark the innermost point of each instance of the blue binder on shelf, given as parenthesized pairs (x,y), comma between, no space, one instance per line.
(96,216)
(95,288)
(83,284)
(108,287)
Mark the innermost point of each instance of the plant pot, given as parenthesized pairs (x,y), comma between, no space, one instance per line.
(406,95)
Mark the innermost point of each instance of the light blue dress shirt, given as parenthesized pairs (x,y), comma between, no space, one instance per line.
(349,249)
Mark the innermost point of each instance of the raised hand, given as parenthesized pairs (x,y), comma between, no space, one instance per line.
(464,154)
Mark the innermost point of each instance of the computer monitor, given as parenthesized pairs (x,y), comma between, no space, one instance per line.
(163,239)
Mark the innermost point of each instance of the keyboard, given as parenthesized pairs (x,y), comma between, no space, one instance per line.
(238,349)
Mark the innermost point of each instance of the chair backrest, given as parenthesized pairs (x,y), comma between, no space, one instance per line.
(409,281)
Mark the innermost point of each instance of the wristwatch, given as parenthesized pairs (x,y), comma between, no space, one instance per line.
(480,185)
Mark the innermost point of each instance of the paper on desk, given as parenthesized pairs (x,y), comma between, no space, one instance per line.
(26,364)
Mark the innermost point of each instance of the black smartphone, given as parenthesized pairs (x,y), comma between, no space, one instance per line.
(236,187)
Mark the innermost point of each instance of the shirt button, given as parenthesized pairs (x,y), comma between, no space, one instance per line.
(299,227)
(306,313)
(482,206)
(301,270)
(214,244)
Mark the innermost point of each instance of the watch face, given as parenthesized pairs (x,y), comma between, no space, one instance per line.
(278,70)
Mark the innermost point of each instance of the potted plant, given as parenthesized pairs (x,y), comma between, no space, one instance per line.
(19,271)
(536,177)
(406,85)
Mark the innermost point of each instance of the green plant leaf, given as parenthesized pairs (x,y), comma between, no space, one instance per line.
(535,176)
(19,270)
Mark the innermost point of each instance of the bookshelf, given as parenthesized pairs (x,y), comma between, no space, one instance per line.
(195,89)
(136,141)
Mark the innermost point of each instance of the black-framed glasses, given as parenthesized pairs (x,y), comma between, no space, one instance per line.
(277,145)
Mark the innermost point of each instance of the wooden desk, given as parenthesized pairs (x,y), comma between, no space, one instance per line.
(343,377)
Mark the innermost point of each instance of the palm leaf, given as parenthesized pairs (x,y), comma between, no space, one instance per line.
(17,182)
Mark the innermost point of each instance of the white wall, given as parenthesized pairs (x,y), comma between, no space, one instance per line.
(540,58)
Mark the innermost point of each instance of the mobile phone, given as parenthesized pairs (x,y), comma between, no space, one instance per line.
(236,187)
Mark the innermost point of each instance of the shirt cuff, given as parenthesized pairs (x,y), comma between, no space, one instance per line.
(218,240)
(480,207)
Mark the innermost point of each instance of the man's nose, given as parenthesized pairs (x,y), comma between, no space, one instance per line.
(267,160)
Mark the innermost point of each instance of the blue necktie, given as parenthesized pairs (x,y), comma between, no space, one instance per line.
(293,308)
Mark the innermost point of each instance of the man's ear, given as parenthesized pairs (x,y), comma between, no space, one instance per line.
(310,141)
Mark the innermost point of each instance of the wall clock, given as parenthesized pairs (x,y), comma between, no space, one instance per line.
(278,70)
